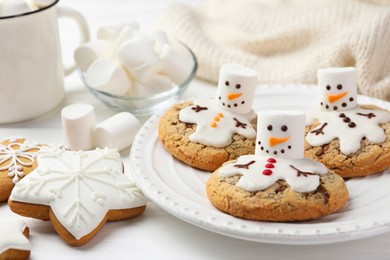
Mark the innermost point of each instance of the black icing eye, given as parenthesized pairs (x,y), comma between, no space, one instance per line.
(284,128)
(227,83)
(339,86)
(238,86)
(328,87)
(269,128)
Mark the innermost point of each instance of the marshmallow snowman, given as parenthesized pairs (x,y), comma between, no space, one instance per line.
(337,88)
(236,88)
(280,133)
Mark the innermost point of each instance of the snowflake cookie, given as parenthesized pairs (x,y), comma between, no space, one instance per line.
(13,239)
(79,192)
(17,159)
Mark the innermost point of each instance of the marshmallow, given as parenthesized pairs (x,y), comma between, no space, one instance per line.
(39,3)
(337,88)
(117,131)
(157,85)
(236,88)
(15,7)
(111,32)
(175,65)
(280,134)
(125,35)
(160,40)
(78,122)
(139,58)
(108,75)
(87,53)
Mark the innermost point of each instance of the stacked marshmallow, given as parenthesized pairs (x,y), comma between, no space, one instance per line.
(16,7)
(82,133)
(125,61)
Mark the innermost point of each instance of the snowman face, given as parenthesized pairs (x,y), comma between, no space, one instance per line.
(236,88)
(280,134)
(337,88)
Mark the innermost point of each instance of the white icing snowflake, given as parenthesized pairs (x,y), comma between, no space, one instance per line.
(260,172)
(11,235)
(215,126)
(18,155)
(348,126)
(80,187)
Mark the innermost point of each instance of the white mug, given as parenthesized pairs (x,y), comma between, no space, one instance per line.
(31,68)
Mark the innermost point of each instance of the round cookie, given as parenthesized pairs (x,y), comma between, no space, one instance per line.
(279,202)
(174,134)
(17,159)
(13,239)
(370,158)
(78,191)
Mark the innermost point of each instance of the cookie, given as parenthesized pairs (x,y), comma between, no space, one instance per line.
(17,159)
(78,192)
(352,140)
(205,133)
(175,136)
(277,183)
(13,239)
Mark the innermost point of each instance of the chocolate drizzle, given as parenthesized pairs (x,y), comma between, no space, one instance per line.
(369,115)
(319,130)
(299,172)
(244,166)
(239,124)
(198,108)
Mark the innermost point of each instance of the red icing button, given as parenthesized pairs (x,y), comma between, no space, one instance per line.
(269,165)
(271,160)
(267,172)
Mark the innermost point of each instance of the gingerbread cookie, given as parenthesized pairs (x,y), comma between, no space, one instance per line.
(206,133)
(349,139)
(17,159)
(13,239)
(277,183)
(78,192)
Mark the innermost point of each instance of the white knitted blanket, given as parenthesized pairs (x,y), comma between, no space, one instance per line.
(286,41)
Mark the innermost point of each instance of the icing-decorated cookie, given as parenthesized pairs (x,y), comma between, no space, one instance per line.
(17,159)
(350,139)
(13,239)
(78,192)
(277,183)
(206,133)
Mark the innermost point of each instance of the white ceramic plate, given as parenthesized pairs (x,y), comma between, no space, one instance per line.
(180,189)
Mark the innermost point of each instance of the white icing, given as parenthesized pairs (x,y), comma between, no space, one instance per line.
(280,133)
(349,138)
(253,179)
(80,187)
(337,88)
(18,155)
(221,134)
(11,235)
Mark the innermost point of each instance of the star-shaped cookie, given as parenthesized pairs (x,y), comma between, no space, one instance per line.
(78,192)
(13,239)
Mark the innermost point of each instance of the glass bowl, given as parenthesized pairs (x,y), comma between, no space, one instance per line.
(147,105)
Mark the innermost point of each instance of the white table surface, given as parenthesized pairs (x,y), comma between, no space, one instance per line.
(155,234)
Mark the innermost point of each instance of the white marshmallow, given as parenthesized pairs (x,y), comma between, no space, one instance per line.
(337,88)
(157,85)
(15,7)
(78,122)
(236,88)
(109,76)
(175,65)
(280,134)
(111,32)
(160,40)
(39,3)
(139,58)
(125,35)
(117,131)
(87,53)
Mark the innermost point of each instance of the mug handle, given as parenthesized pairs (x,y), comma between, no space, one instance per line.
(63,11)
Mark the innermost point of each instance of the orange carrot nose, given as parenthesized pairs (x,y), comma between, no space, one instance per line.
(275,141)
(232,96)
(335,97)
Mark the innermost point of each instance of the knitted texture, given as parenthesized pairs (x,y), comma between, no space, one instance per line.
(287,41)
